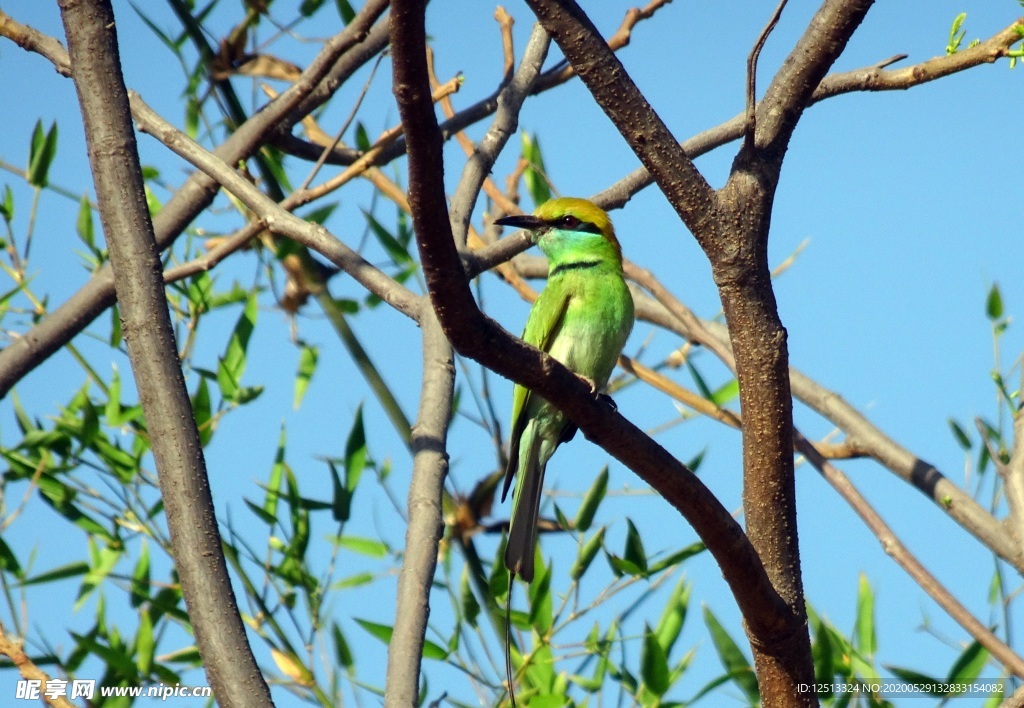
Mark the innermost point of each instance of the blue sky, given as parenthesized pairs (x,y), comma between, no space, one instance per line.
(907,201)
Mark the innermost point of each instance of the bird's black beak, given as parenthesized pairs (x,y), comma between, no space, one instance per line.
(521,221)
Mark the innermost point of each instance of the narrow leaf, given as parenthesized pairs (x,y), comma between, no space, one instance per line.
(634,552)
(994,303)
(864,626)
(654,664)
(308,358)
(41,154)
(595,495)
(732,657)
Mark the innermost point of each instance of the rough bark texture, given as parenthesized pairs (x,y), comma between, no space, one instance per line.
(230,666)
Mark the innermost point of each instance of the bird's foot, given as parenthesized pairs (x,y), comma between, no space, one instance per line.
(593,386)
(609,400)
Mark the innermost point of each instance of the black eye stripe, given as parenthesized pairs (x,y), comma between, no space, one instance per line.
(584,226)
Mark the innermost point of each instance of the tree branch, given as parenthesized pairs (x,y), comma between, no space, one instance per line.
(480,338)
(230,665)
(906,560)
(423,534)
(603,74)
(334,63)
(276,218)
(861,435)
(791,90)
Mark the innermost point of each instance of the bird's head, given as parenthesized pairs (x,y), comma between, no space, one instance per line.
(567,222)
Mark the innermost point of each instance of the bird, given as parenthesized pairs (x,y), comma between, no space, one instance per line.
(582,318)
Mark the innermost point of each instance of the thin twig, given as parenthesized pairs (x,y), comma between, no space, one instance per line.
(908,561)
(278,220)
(755,52)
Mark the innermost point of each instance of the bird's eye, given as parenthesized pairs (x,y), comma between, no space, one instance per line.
(569,222)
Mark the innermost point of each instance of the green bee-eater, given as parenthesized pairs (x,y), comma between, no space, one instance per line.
(582,318)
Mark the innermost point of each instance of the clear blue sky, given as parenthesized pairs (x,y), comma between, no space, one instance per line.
(908,201)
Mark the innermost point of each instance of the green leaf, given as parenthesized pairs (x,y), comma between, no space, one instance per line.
(956,35)
(864,625)
(140,577)
(112,411)
(276,480)
(595,495)
(962,438)
(725,393)
(115,326)
(621,567)
(9,561)
(535,174)
(395,250)
(968,665)
(678,557)
(101,565)
(470,608)
(7,204)
(699,382)
(673,616)
(341,649)
(994,303)
(634,552)
(362,138)
(308,358)
(261,514)
(588,551)
(498,580)
(654,664)
(84,224)
(308,7)
(824,666)
(63,572)
(353,581)
(231,366)
(355,463)
(345,10)
(59,496)
(145,644)
(383,632)
(541,605)
(732,658)
(995,589)
(192,115)
(322,214)
(41,154)
(202,408)
(365,546)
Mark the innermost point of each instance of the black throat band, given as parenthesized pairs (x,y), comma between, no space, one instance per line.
(578,265)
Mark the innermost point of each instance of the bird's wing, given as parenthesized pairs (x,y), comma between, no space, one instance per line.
(541,327)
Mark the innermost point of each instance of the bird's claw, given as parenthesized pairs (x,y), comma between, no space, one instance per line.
(609,400)
(592,384)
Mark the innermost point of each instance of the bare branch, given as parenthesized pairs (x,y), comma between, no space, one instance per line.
(603,74)
(751,116)
(341,56)
(908,561)
(423,534)
(276,218)
(506,122)
(27,669)
(862,437)
(199,559)
(1013,479)
(480,338)
(790,91)
(32,40)
(877,78)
